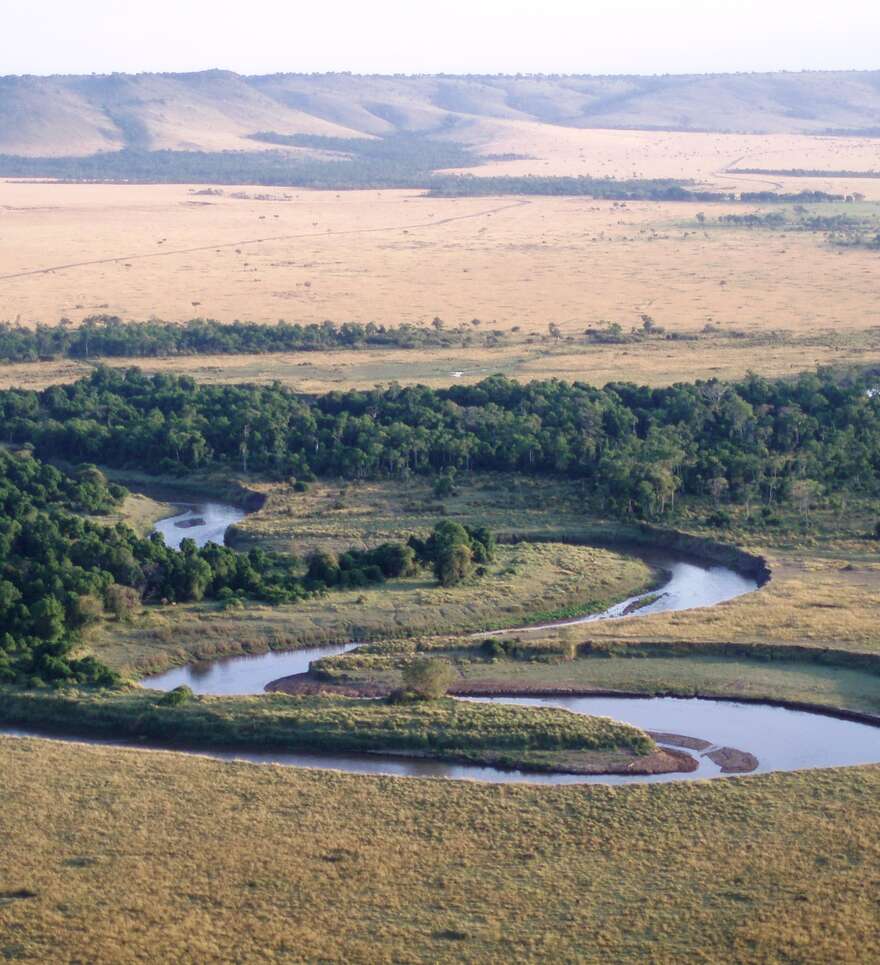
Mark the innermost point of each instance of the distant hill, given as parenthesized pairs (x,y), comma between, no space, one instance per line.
(217,110)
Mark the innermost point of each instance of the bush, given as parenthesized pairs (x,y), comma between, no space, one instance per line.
(426,678)
(121,601)
(454,564)
(174,698)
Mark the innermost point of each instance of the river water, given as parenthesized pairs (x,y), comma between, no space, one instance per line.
(204,522)
(781,739)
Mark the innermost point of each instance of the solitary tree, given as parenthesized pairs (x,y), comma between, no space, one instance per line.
(428,678)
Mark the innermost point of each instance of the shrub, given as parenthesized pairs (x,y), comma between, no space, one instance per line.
(454,564)
(174,698)
(121,601)
(427,678)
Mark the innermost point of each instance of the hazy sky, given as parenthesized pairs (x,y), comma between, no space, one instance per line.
(455,36)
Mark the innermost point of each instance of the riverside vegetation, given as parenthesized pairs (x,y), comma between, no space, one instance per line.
(757,442)
(585,851)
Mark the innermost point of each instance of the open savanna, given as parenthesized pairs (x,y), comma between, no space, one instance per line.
(706,157)
(525,581)
(395,256)
(191,860)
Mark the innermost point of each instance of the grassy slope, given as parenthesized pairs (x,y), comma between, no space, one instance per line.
(189,860)
(218,109)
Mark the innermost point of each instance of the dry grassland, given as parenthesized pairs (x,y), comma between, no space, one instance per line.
(553,150)
(392,256)
(825,603)
(172,858)
(648,363)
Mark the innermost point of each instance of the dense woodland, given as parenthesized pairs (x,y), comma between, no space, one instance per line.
(60,572)
(637,449)
(403,160)
(106,336)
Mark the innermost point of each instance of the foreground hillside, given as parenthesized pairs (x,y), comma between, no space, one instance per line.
(215,110)
(175,858)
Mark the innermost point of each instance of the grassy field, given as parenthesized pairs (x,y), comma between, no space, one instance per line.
(173,858)
(794,681)
(656,362)
(393,256)
(138,511)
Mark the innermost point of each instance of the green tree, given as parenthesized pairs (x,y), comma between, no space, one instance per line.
(454,564)
(428,678)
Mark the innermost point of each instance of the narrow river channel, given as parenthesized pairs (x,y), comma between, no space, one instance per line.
(782,739)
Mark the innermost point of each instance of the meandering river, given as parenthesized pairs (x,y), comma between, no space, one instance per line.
(782,739)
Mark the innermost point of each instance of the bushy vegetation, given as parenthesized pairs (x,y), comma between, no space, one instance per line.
(608,189)
(51,584)
(59,571)
(425,678)
(636,449)
(808,172)
(453,550)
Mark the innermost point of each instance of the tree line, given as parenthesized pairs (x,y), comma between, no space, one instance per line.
(401,160)
(107,336)
(610,189)
(637,449)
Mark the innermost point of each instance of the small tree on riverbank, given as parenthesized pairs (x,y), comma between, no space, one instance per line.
(427,679)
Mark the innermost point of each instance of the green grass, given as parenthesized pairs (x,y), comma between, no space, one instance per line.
(441,728)
(795,681)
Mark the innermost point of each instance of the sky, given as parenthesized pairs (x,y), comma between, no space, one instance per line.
(451,36)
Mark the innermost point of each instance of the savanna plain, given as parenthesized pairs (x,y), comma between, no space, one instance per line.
(114,854)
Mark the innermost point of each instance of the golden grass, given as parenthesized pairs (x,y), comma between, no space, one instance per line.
(393,256)
(156,856)
(794,682)
(820,603)
(704,157)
